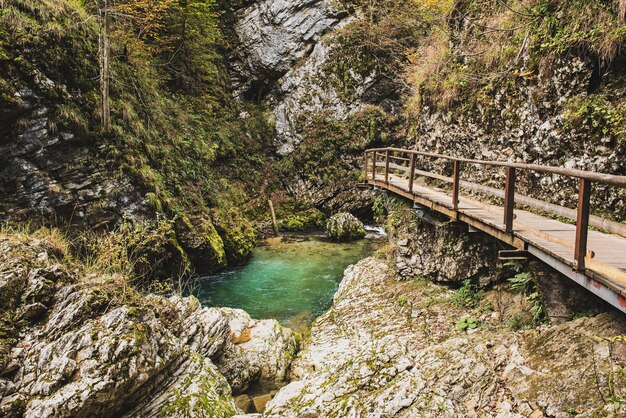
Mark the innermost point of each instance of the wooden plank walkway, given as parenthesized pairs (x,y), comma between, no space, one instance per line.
(551,240)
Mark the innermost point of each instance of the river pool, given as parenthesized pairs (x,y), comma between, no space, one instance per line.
(291,279)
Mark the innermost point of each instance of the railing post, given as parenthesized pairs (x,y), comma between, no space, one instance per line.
(374,165)
(387,166)
(455,184)
(411,173)
(582,223)
(509,199)
(365,162)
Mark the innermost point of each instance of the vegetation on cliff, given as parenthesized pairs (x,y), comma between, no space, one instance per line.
(192,151)
(176,130)
(476,48)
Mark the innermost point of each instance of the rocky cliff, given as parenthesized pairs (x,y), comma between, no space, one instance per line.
(176,133)
(403,349)
(79,343)
(538,82)
(328,102)
(221,105)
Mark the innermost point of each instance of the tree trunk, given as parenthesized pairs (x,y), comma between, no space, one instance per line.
(105,47)
(274,223)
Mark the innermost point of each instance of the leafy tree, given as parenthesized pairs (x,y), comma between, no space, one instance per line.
(187,44)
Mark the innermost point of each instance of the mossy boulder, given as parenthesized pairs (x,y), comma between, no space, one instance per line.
(237,234)
(202,243)
(305,220)
(345,227)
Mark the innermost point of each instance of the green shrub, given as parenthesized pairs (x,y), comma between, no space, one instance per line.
(526,284)
(466,323)
(598,117)
(468,295)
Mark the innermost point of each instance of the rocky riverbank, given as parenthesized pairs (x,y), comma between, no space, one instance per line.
(391,347)
(78,343)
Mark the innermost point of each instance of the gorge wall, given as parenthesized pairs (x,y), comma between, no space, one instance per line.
(537,82)
(173,152)
(296,91)
(278,99)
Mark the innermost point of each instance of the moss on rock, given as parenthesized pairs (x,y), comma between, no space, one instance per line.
(200,239)
(345,227)
(305,220)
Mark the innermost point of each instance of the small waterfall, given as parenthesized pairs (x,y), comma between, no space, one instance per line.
(375,232)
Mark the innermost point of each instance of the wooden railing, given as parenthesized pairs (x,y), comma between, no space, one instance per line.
(387,161)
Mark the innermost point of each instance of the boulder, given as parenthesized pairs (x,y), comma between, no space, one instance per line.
(194,388)
(256,351)
(345,227)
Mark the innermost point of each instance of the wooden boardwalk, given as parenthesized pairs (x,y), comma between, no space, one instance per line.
(598,263)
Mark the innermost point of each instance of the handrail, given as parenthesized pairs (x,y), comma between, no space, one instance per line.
(569,172)
(581,215)
(595,221)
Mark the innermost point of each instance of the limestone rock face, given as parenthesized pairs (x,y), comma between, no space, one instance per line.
(446,254)
(275,34)
(345,227)
(520,128)
(83,345)
(256,351)
(283,53)
(54,174)
(390,348)
(450,254)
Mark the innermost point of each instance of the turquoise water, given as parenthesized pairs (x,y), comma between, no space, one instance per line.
(292,280)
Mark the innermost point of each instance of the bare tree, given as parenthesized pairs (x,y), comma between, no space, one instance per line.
(104,52)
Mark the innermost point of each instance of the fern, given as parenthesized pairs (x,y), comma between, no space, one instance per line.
(521,282)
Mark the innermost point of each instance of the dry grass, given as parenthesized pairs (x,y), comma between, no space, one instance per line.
(55,241)
(429,60)
(129,251)
(621,11)
(70,116)
(493,41)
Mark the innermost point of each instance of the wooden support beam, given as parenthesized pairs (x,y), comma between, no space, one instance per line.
(582,223)
(374,165)
(412,173)
(509,199)
(387,166)
(509,255)
(455,184)
(365,162)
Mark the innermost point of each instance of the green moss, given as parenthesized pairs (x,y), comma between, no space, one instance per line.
(307,220)
(215,242)
(237,233)
(208,399)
